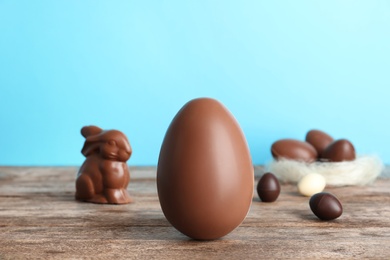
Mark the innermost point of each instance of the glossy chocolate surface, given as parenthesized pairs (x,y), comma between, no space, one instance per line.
(294,150)
(319,140)
(325,206)
(338,151)
(205,174)
(268,187)
(104,175)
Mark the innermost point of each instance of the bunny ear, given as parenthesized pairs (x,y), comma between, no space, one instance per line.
(89,148)
(93,137)
(87,131)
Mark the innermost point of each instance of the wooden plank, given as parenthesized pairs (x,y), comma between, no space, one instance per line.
(39,218)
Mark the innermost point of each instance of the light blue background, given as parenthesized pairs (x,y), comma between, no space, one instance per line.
(281,67)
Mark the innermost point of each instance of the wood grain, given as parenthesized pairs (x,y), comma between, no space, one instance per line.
(39,218)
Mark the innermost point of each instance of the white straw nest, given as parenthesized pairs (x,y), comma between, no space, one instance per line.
(362,171)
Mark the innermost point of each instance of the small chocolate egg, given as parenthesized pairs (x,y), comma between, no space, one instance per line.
(325,206)
(319,140)
(293,150)
(311,183)
(205,175)
(268,187)
(338,151)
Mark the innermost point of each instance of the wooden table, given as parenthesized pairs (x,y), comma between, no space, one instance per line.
(39,218)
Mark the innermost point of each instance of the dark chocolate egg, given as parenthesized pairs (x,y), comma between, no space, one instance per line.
(268,187)
(319,140)
(325,206)
(293,150)
(338,151)
(205,174)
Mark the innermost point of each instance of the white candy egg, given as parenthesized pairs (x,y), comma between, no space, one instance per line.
(311,184)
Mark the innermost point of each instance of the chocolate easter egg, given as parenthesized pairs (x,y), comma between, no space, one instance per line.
(311,183)
(319,140)
(338,151)
(268,187)
(325,206)
(205,175)
(293,150)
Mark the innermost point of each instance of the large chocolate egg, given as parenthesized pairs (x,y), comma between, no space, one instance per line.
(293,150)
(340,150)
(205,175)
(319,140)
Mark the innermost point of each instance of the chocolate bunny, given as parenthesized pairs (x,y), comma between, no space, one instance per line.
(104,175)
